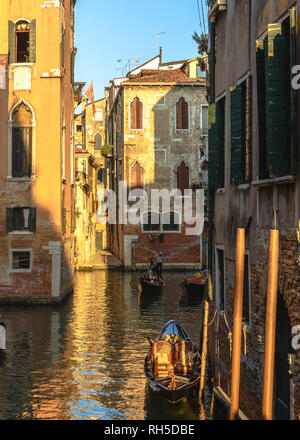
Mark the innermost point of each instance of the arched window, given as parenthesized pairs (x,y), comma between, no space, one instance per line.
(182,114)
(151,221)
(171,221)
(183,177)
(22,141)
(136,176)
(22,41)
(98,142)
(136,114)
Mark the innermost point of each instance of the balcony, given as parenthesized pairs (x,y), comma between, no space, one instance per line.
(216,6)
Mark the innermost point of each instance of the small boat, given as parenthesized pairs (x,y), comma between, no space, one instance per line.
(173,364)
(196,283)
(150,283)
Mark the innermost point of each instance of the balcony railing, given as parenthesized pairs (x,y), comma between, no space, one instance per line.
(216,6)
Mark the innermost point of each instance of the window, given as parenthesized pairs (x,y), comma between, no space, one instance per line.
(20,260)
(220,277)
(216,134)
(166,222)
(151,221)
(22,41)
(136,176)
(241,127)
(276,54)
(204,119)
(98,142)
(21,219)
(22,142)
(171,222)
(98,116)
(247,290)
(182,114)
(136,114)
(183,177)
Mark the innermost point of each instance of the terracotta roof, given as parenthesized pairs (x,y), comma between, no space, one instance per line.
(176,75)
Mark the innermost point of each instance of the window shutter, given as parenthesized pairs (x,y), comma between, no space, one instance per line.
(277,102)
(183,178)
(261,47)
(72,67)
(63,226)
(32,42)
(185,115)
(294,93)
(73,218)
(179,115)
(248,131)
(236,134)
(63,49)
(12,42)
(139,114)
(214,177)
(9,219)
(32,220)
(133,111)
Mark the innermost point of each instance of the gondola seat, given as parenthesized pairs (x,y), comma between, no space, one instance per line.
(183,358)
(161,353)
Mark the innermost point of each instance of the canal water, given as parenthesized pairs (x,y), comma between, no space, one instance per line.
(84,360)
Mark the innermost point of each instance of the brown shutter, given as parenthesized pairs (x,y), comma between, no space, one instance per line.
(179,115)
(185,115)
(183,180)
(136,180)
(139,119)
(133,114)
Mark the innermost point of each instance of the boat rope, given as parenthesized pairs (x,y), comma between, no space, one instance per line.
(229,333)
(245,339)
(212,321)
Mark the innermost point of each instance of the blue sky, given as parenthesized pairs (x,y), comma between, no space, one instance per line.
(112,30)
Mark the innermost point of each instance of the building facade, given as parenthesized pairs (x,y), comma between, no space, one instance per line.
(90,137)
(254,184)
(37,157)
(157,130)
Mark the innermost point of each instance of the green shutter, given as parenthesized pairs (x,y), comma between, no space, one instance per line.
(277,101)
(73,218)
(294,93)
(72,67)
(248,133)
(63,226)
(32,220)
(11,42)
(213,147)
(261,101)
(63,48)
(9,219)
(237,126)
(32,42)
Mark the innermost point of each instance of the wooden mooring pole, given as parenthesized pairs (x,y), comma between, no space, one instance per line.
(237,324)
(204,349)
(270,329)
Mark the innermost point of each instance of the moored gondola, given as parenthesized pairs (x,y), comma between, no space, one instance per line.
(173,364)
(196,283)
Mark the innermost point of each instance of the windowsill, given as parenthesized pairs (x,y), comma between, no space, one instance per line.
(243,187)
(275,180)
(20,233)
(21,64)
(21,179)
(19,270)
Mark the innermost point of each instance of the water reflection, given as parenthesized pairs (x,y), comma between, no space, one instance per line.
(85,360)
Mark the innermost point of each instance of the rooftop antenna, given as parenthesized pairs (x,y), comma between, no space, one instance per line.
(158,39)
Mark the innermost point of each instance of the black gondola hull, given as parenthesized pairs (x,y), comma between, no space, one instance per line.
(174,396)
(150,288)
(194,288)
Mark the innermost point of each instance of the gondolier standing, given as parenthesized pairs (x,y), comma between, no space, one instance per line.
(158,259)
